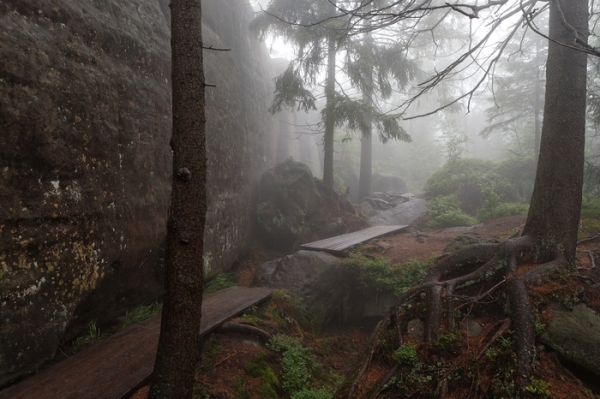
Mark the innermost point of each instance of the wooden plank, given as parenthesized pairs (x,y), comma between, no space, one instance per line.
(340,244)
(114,367)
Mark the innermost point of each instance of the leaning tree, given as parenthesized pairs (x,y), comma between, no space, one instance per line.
(549,237)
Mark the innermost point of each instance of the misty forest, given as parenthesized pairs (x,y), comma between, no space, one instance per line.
(299,199)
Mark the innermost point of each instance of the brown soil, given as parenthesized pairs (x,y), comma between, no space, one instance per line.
(341,348)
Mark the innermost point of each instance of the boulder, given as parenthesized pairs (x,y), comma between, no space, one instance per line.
(288,196)
(387,183)
(317,278)
(575,336)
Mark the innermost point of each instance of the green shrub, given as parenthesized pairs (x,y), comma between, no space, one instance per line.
(493,207)
(504,209)
(538,387)
(453,176)
(445,212)
(298,364)
(312,394)
(590,207)
(406,355)
(475,182)
(376,274)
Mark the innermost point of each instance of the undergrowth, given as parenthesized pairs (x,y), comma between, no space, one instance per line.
(446,212)
(141,313)
(94,335)
(218,282)
(299,370)
(379,275)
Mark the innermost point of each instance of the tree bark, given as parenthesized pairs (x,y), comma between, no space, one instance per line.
(366,142)
(537,106)
(556,202)
(178,344)
(329,107)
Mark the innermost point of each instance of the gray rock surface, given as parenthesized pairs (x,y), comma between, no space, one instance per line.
(288,195)
(85,162)
(575,335)
(318,278)
(411,213)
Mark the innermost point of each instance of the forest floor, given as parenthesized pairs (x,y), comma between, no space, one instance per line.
(235,366)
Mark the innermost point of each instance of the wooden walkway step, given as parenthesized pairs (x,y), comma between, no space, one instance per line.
(116,366)
(339,245)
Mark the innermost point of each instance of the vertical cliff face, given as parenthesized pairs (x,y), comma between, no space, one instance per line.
(242,139)
(85,162)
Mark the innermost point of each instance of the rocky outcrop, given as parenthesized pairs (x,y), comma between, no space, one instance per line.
(317,278)
(288,196)
(85,162)
(575,336)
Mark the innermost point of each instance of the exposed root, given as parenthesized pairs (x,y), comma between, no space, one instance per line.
(501,330)
(467,277)
(245,329)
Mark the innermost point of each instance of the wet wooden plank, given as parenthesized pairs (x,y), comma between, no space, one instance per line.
(339,245)
(117,365)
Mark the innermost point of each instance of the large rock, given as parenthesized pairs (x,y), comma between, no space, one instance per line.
(318,278)
(85,162)
(575,336)
(288,196)
(385,183)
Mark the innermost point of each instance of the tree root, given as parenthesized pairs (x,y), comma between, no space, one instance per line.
(446,289)
(245,329)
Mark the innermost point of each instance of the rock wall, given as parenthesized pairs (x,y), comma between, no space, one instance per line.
(85,162)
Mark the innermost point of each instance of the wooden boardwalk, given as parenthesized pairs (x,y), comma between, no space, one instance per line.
(116,366)
(339,245)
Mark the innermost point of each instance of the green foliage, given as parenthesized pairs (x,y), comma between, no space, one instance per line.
(358,116)
(453,176)
(445,212)
(259,368)
(493,208)
(219,282)
(453,137)
(538,387)
(240,391)
(493,190)
(298,364)
(312,394)
(94,335)
(569,299)
(290,312)
(141,313)
(290,92)
(375,274)
(406,355)
(590,207)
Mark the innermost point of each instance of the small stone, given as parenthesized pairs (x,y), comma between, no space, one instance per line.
(416,330)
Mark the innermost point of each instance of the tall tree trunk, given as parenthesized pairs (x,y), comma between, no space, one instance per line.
(556,202)
(178,345)
(537,105)
(366,142)
(330,106)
